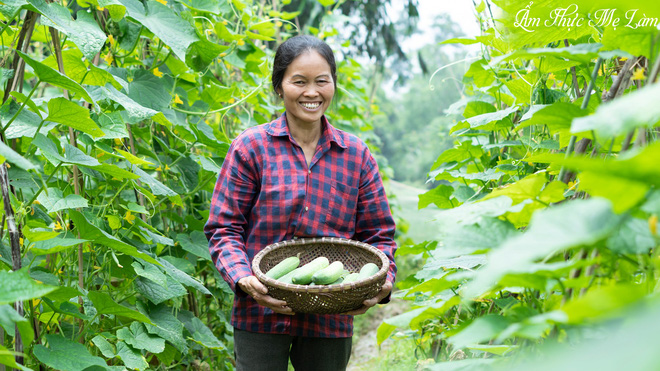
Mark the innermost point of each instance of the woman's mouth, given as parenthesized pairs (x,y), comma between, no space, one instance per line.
(311,106)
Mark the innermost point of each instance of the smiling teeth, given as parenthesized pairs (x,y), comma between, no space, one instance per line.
(310,105)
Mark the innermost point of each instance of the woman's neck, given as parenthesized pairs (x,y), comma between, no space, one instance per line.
(306,135)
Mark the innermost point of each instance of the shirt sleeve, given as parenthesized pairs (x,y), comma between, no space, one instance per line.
(374,222)
(226,228)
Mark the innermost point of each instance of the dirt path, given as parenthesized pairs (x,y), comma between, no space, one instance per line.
(365,354)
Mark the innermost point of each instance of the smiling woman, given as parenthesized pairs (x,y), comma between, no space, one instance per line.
(296,176)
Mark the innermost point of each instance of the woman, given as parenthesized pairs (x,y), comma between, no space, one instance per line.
(296,176)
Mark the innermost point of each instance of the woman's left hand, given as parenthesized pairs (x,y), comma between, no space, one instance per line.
(384,291)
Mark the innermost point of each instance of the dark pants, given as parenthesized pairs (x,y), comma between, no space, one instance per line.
(271,352)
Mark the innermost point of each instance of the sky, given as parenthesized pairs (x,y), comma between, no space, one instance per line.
(461,12)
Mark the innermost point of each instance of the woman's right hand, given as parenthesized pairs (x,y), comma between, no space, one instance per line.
(253,287)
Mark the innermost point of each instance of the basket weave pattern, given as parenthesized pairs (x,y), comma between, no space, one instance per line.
(329,299)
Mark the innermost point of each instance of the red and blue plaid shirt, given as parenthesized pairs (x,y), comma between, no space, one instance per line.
(266,193)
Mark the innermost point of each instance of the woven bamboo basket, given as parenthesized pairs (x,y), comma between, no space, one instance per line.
(328,299)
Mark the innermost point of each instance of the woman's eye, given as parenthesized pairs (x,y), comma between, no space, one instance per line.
(299,82)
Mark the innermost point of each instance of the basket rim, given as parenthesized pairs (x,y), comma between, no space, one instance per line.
(321,288)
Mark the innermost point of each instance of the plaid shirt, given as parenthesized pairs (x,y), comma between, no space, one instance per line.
(266,193)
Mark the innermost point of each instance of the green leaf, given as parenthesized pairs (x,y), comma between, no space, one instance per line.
(66,355)
(195,243)
(202,53)
(7,356)
(104,346)
(460,240)
(181,276)
(167,326)
(54,201)
(440,196)
(171,28)
(9,155)
(157,187)
(636,41)
(69,113)
(83,31)
(18,286)
(25,124)
(199,332)
(481,329)
(9,8)
(53,77)
(150,272)
(132,358)
(326,2)
(624,193)
(638,109)
(481,121)
(10,319)
(551,230)
(138,337)
(90,232)
(470,213)
(210,6)
(157,293)
(603,302)
(149,90)
(134,110)
(105,304)
(633,237)
(72,154)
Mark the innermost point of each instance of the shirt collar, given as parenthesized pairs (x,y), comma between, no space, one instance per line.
(279,128)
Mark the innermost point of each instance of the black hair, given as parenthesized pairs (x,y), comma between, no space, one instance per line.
(295,46)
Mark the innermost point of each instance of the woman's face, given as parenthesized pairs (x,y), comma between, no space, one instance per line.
(307,88)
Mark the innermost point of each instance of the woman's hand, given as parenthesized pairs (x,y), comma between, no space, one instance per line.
(382,294)
(253,287)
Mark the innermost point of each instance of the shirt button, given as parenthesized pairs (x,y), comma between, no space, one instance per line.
(309,171)
(306,208)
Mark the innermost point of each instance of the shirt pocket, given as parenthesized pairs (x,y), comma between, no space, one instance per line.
(342,207)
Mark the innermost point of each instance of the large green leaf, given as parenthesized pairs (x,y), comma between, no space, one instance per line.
(195,243)
(134,110)
(72,155)
(75,68)
(9,155)
(18,286)
(150,272)
(551,230)
(83,31)
(91,232)
(25,124)
(53,200)
(470,213)
(202,53)
(9,8)
(138,337)
(157,293)
(104,346)
(182,277)
(172,29)
(638,109)
(167,326)
(636,41)
(481,329)
(199,332)
(634,237)
(69,113)
(132,358)
(440,196)
(53,77)
(156,186)
(66,355)
(557,116)
(10,319)
(105,304)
